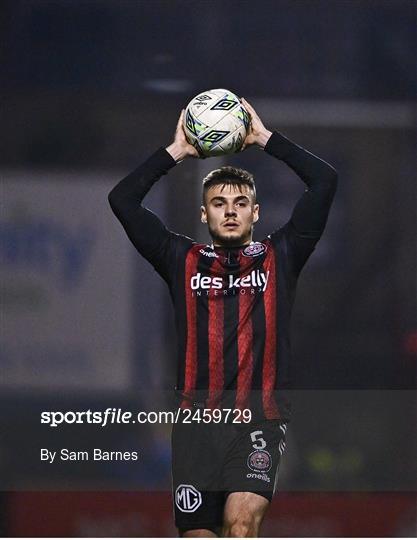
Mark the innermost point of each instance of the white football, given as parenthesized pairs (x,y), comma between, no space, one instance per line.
(216,122)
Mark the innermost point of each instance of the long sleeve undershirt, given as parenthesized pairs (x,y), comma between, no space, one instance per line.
(148,233)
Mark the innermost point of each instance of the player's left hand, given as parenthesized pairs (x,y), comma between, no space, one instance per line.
(180,148)
(257,133)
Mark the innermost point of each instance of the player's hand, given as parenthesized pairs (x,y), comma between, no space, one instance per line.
(181,148)
(257,133)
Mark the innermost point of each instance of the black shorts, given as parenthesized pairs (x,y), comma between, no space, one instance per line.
(209,461)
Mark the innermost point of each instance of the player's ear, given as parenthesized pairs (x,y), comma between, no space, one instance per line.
(203,214)
(255,212)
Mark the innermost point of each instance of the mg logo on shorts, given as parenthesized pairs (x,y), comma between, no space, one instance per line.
(187,498)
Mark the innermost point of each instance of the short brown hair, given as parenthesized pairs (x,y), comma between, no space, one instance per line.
(229,176)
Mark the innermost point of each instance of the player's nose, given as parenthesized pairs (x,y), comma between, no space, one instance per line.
(230,211)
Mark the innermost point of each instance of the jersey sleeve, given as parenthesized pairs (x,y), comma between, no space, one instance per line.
(144,228)
(309,216)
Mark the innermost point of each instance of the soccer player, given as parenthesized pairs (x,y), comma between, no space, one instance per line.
(232,302)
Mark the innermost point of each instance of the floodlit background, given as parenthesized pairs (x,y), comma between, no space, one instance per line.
(92,88)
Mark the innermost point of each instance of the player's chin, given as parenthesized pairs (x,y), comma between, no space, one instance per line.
(231,238)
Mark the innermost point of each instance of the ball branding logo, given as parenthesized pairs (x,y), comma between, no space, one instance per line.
(239,140)
(214,136)
(243,115)
(193,125)
(254,250)
(187,498)
(216,123)
(224,105)
(260,461)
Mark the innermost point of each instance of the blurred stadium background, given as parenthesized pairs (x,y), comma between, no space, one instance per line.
(89,90)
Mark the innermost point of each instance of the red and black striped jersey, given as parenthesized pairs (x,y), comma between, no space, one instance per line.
(232,305)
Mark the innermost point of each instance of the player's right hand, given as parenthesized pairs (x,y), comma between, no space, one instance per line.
(257,134)
(181,148)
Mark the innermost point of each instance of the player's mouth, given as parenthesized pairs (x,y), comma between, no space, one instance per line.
(231,225)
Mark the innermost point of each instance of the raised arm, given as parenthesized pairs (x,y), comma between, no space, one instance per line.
(143,227)
(145,230)
(310,214)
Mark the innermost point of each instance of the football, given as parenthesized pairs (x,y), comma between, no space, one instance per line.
(216,122)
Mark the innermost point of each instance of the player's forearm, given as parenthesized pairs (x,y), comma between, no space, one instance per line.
(176,151)
(130,192)
(263,138)
(310,214)
(145,230)
(134,187)
(315,172)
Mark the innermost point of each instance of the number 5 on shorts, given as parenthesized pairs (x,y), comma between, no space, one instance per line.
(259,442)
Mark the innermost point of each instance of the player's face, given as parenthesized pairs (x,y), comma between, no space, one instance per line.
(230,212)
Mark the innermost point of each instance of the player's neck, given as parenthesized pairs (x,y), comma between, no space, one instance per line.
(220,245)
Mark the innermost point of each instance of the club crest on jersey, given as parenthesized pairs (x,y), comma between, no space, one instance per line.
(260,461)
(254,250)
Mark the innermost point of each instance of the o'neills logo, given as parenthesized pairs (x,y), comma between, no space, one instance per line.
(256,281)
(208,253)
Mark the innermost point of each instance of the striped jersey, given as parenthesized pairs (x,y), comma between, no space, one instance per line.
(232,305)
